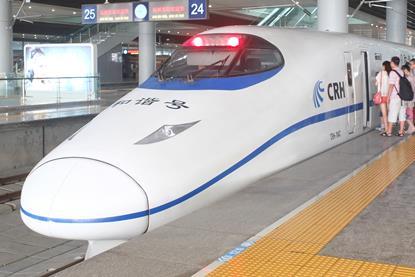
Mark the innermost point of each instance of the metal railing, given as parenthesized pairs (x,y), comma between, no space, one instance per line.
(23,91)
(97,33)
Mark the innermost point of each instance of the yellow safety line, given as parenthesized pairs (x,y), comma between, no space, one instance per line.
(292,248)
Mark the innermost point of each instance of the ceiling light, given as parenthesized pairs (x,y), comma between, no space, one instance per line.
(168,31)
(52,10)
(210,6)
(29,7)
(73,13)
(178,32)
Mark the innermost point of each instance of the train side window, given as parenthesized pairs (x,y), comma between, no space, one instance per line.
(349,75)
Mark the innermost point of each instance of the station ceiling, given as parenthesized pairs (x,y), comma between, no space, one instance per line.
(64,9)
(217,4)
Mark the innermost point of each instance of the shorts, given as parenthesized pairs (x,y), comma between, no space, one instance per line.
(396,110)
(384,100)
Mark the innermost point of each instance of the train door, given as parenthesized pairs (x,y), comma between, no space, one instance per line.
(365,89)
(350,91)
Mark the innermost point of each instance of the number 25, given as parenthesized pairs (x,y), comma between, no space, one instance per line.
(89,14)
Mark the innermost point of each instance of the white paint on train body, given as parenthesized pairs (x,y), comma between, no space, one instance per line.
(175,145)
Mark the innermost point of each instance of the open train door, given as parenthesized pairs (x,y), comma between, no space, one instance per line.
(350,93)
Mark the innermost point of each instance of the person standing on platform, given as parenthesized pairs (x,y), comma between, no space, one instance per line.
(382,83)
(412,65)
(409,104)
(397,111)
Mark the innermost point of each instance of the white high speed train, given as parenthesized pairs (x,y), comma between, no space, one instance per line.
(233,105)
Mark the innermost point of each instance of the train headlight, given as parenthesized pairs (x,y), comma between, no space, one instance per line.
(166,132)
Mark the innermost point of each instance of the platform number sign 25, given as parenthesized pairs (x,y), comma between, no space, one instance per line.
(197,9)
(89,14)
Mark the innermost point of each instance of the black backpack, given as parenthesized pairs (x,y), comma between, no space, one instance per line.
(405,89)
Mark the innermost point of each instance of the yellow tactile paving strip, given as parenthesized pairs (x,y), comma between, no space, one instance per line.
(292,248)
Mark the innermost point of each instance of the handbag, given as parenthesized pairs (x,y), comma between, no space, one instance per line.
(377,98)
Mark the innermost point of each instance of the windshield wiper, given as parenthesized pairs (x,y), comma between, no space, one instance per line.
(160,75)
(192,75)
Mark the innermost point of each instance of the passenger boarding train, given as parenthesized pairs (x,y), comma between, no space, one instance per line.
(231,106)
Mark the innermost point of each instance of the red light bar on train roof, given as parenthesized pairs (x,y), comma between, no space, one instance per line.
(221,40)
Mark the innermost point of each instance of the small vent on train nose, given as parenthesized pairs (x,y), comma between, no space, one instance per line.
(166,132)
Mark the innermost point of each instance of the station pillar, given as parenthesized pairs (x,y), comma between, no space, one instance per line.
(6,36)
(332,15)
(147,48)
(396,18)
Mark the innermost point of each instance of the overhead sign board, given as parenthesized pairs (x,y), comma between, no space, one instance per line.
(145,11)
(119,12)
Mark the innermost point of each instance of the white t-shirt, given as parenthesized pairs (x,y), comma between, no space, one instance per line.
(382,82)
(394,80)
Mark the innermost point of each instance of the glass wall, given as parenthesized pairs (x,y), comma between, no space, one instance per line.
(18,91)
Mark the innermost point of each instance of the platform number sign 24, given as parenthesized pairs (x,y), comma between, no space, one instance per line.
(197,9)
(89,14)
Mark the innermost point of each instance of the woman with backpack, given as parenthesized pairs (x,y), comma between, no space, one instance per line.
(382,84)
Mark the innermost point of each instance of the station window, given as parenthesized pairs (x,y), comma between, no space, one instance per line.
(221,55)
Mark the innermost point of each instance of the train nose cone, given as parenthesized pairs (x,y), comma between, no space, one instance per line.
(75,198)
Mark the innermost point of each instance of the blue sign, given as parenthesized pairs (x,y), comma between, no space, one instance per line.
(141,11)
(198,9)
(89,14)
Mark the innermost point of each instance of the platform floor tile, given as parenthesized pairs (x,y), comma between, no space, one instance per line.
(292,249)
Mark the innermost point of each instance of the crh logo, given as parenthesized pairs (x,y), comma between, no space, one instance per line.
(335,91)
(317,97)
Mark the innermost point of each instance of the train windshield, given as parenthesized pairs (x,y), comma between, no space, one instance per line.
(219,55)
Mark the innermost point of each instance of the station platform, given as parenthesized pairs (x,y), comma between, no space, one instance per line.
(309,220)
(28,133)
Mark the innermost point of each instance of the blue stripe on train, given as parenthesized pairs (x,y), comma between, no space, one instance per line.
(293,128)
(224,83)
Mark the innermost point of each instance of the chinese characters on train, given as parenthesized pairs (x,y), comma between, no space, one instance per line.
(173,104)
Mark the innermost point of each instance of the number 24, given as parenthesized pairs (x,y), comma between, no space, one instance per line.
(197,9)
